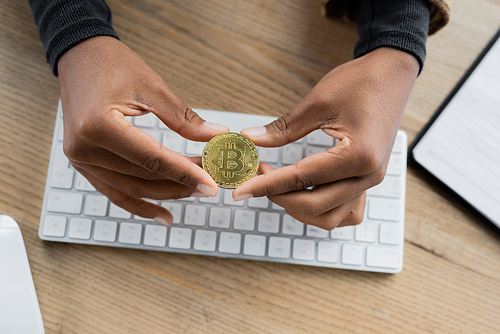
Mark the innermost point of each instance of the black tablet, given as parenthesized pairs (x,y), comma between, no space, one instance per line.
(459,149)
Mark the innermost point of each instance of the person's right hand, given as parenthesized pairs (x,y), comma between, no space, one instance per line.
(102,81)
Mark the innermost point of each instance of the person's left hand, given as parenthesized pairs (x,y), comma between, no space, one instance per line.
(359,103)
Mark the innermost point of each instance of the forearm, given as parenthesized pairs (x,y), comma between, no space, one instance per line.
(63,24)
(398,24)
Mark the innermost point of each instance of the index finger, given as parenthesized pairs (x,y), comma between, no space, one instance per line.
(117,135)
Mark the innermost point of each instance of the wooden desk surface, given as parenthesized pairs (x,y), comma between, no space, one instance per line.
(256,56)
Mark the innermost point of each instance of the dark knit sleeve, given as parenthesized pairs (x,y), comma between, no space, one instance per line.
(401,24)
(62,24)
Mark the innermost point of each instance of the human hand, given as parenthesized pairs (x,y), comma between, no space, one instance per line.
(102,81)
(360,103)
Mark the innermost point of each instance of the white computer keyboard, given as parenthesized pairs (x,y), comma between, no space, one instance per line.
(254,229)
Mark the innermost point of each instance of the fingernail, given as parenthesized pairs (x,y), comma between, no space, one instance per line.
(207,190)
(162,220)
(242,197)
(215,126)
(254,132)
(198,193)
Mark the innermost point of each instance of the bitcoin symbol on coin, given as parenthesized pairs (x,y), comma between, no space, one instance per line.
(230,159)
(231,162)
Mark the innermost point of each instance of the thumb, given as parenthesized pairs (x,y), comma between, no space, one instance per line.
(183,120)
(286,129)
(190,125)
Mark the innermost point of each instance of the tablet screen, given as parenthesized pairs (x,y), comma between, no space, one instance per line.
(461,148)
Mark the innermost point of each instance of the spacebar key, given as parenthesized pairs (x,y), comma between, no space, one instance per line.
(64,202)
(384,257)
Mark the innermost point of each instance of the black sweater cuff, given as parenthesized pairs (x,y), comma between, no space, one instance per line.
(401,24)
(62,24)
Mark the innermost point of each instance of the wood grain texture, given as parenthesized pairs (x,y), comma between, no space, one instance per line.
(255,56)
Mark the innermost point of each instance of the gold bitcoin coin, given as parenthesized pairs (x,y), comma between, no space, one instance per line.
(230,159)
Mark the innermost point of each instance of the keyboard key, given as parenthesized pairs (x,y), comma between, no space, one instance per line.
(277,207)
(175,209)
(211,200)
(155,235)
(318,137)
(292,226)
(195,148)
(173,141)
(310,150)
(352,254)
(342,233)
(145,121)
(390,234)
(366,232)
(130,233)
(303,249)
(219,217)
(204,240)
(117,212)
(269,222)
(136,217)
(162,125)
(258,202)
(60,132)
(399,145)
(230,242)
(54,226)
(62,175)
(83,184)
(390,187)
(154,133)
(269,154)
(292,153)
(96,205)
(328,251)
(59,159)
(255,245)
(228,198)
(244,220)
(316,232)
(395,166)
(279,247)
(79,228)
(383,257)
(180,237)
(187,199)
(195,215)
(383,209)
(105,230)
(64,202)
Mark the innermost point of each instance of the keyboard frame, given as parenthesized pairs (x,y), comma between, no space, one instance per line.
(401,141)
